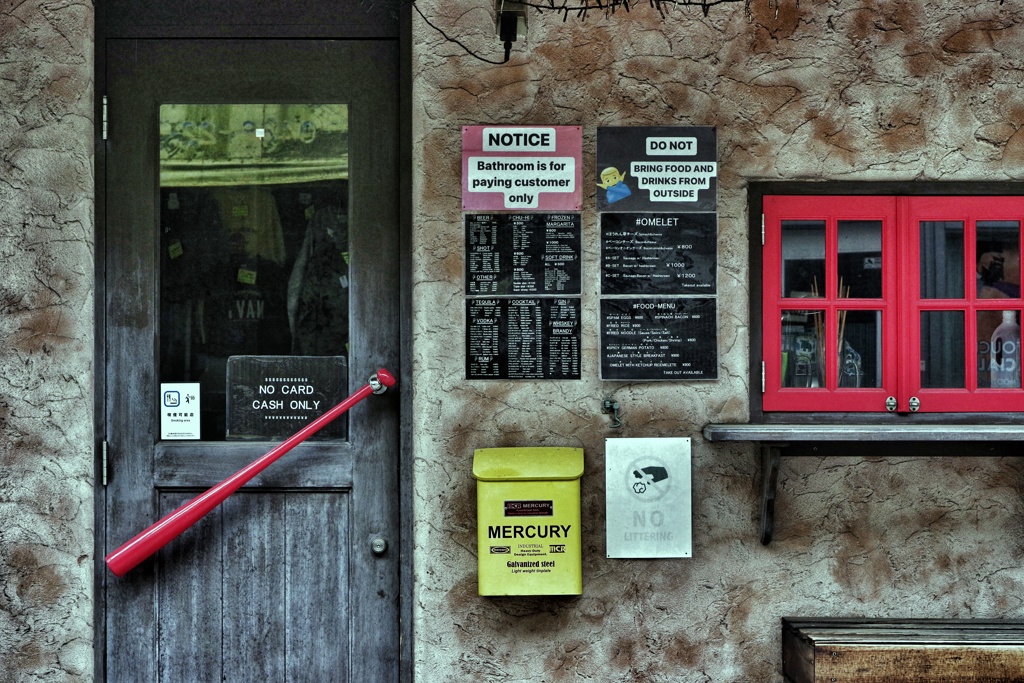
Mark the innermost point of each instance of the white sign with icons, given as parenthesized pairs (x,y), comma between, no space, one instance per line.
(179,410)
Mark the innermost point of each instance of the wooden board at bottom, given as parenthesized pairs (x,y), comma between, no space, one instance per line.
(902,651)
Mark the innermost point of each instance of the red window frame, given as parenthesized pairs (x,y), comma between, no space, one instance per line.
(900,307)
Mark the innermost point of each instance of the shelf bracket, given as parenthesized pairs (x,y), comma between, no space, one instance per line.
(771,457)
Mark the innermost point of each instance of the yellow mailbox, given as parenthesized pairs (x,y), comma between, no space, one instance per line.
(528,520)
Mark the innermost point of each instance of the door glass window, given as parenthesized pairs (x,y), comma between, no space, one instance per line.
(860,349)
(859,261)
(998,259)
(942,350)
(803,259)
(997,251)
(254,242)
(803,351)
(999,353)
(838,263)
(942,259)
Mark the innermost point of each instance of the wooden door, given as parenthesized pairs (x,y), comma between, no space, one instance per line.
(296,576)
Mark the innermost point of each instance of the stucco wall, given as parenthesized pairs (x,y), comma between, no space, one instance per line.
(825,89)
(46,341)
(851,91)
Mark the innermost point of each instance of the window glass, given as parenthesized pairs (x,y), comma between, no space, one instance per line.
(253,239)
(997,248)
(860,349)
(999,353)
(803,258)
(942,259)
(860,259)
(803,352)
(942,350)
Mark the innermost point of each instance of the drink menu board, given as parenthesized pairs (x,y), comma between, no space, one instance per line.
(523,338)
(533,253)
(523,295)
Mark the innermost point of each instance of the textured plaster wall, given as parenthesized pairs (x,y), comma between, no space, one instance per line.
(46,340)
(824,89)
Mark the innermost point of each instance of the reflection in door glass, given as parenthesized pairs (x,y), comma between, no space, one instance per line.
(942,350)
(253,238)
(997,251)
(803,348)
(803,258)
(860,259)
(999,350)
(942,259)
(860,349)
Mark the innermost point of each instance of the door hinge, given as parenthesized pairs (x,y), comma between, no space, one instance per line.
(103,465)
(105,135)
(762,377)
(104,117)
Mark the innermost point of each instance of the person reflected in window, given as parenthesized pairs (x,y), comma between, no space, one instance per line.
(999,273)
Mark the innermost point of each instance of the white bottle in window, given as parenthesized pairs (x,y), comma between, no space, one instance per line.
(1005,350)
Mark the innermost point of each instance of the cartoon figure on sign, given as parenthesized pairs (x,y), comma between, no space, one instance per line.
(614,184)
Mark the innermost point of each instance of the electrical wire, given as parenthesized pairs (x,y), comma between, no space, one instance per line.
(581,9)
(508,44)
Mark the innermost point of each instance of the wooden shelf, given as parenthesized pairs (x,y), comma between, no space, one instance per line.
(902,651)
(864,432)
(773,438)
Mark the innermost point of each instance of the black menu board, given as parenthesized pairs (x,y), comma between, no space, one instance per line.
(523,254)
(658,253)
(669,338)
(523,338)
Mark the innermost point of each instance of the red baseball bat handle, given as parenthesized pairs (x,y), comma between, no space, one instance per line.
(169,527)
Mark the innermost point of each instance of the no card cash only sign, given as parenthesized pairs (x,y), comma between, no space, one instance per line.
(528,520)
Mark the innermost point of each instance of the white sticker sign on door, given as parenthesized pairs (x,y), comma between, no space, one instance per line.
(648,497)
(179,410)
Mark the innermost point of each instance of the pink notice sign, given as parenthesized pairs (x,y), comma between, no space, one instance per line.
(521,167)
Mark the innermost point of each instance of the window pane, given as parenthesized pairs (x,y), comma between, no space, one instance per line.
(942,259)
(942,350)
(860,259)
(254,242)
(860,345)
(803,258)
(998,259)
(802,348)
(999,349)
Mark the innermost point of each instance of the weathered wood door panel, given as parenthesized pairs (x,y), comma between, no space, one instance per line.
(280,583)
